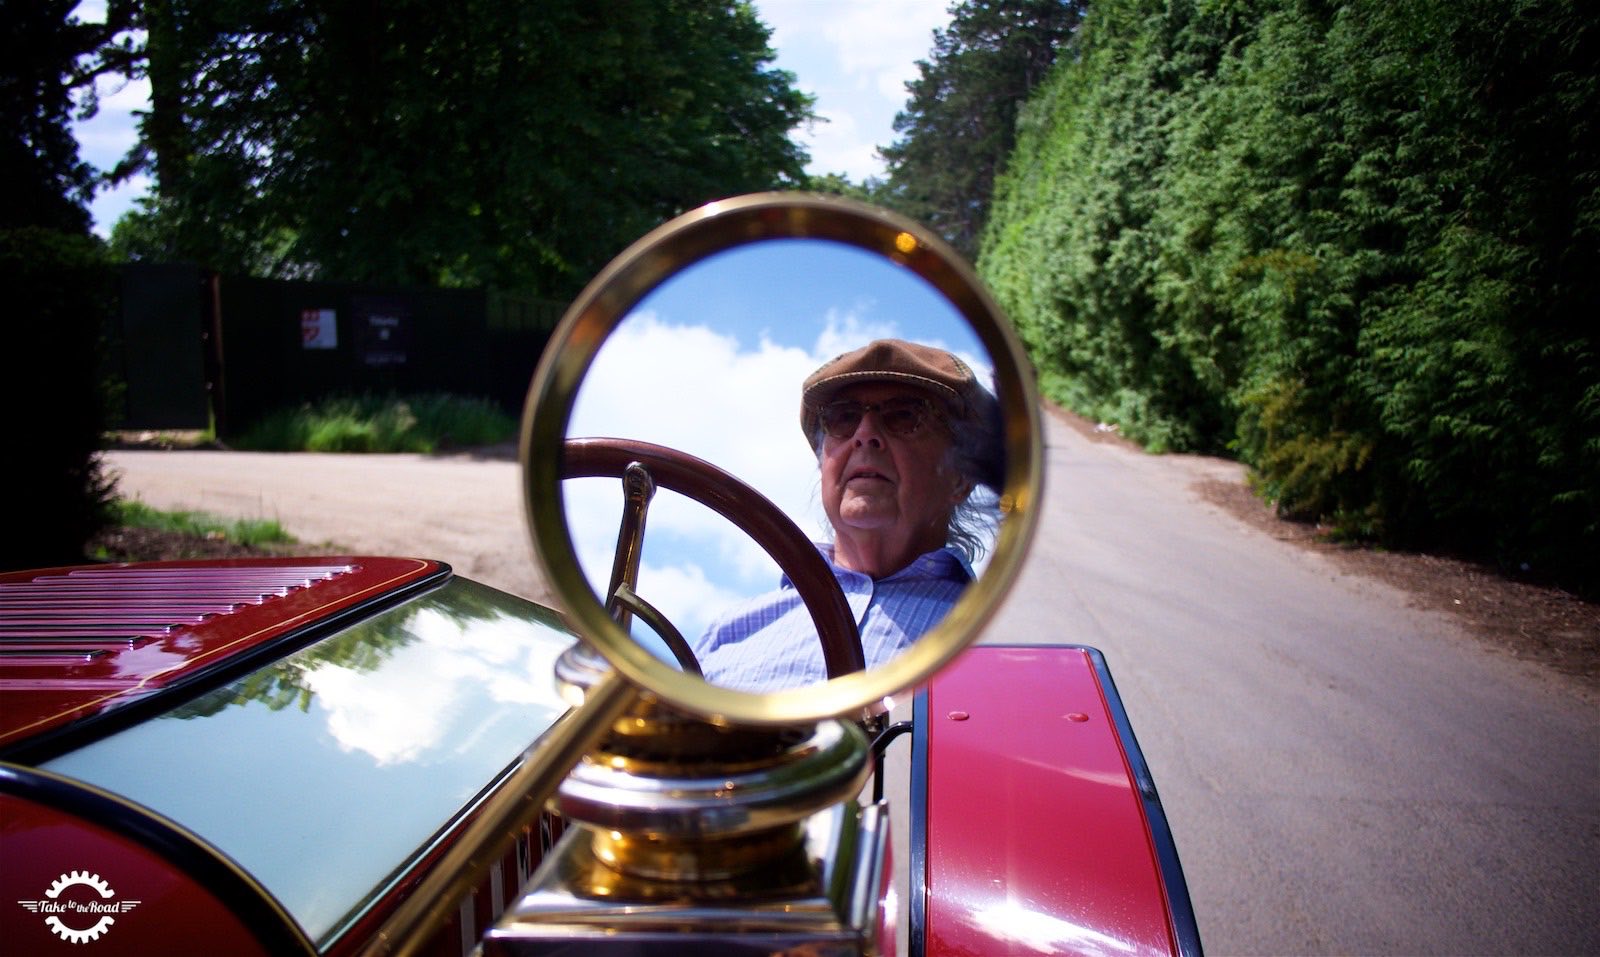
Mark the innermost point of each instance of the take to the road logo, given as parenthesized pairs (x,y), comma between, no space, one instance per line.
(79,907)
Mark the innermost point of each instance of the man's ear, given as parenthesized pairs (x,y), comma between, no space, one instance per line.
(964,487)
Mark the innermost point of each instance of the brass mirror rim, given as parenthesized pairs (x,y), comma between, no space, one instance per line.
(633,275)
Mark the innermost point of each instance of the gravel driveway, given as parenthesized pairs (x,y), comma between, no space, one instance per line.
(462,509)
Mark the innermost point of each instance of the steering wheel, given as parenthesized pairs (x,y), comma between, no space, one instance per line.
(753,514)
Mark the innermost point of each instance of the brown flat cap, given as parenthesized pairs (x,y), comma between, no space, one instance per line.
(944,378)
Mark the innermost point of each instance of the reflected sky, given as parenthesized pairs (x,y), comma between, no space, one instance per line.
(390,729)
(711,363)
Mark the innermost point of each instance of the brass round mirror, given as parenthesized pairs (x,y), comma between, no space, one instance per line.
(696,340)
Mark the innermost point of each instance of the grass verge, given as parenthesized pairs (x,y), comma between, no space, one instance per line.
(249,532)
(381,423)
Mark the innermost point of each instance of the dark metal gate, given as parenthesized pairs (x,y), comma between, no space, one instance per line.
(198,347)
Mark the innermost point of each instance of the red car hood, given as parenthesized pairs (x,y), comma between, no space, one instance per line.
(1042,830)
(80,643)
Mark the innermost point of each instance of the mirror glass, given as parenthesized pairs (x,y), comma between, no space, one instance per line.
(711,363)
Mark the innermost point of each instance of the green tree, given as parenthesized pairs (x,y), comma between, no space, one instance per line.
(47,185)
(870,190)
(54,270)
(958,125)
(516,145)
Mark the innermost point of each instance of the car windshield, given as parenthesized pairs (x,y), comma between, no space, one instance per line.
(326,773)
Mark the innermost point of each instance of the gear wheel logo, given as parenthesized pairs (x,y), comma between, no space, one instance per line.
(83,916)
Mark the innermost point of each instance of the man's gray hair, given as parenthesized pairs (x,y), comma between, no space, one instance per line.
(976,518)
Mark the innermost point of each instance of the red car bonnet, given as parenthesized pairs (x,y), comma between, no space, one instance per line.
(80,642)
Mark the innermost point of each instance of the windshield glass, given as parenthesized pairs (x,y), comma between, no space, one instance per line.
(326,773)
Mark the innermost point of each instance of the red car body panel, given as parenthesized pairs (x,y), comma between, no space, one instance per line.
(130,898)
(1038,837)
(79,642)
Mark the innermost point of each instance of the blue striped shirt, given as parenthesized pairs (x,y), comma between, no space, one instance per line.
(769,643)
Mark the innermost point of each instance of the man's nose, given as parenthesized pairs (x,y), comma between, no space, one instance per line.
(869,431)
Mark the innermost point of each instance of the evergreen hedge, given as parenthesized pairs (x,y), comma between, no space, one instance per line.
(1356,244)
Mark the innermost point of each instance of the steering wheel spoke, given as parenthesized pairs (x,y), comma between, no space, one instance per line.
(626,597)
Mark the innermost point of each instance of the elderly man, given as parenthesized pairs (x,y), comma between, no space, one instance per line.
(904,434)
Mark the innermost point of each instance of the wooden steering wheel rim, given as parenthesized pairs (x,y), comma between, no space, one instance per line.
(752,513)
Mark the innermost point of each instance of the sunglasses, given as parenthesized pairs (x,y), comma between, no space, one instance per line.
(902,416)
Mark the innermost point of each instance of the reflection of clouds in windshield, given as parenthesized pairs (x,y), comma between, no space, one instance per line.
(688,385)
(427,682)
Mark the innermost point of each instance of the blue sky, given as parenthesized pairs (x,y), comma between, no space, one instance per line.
(854,56)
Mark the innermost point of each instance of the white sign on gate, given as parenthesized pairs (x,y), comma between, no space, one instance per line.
(319,329)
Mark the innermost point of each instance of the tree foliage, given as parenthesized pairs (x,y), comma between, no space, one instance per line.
(47,184)
(1356,243)
(475,142)
(52,267)
(958,125)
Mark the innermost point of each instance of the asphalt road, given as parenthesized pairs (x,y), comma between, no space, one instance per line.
(1343,773)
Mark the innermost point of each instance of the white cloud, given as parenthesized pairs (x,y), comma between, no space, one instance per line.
(856,58)
(686,596)
(878,44)
(690,388)
(844,332)
(868,46)
(387,727)
(839,145)
(114,129)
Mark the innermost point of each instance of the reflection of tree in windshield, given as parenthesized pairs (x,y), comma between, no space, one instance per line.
(365,646)
(360,648)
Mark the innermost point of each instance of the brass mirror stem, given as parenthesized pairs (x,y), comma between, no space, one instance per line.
(501,818)
(670,797)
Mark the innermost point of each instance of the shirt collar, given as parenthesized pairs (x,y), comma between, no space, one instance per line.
(940,564)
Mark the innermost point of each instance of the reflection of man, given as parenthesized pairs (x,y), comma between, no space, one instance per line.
(903,434)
